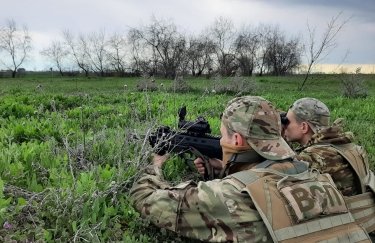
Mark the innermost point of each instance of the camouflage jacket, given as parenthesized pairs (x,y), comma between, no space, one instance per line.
(328,160)
(213,211)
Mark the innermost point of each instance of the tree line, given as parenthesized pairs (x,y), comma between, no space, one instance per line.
(160,48)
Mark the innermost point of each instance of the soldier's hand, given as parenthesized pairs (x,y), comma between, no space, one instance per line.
(215,163)
(159,160)
(199,164)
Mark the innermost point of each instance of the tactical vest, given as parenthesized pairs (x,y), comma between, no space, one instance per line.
(305,207)
(362,206)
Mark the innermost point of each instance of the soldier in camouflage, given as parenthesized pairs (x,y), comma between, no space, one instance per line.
(219,210)
(331,150)
(308,125)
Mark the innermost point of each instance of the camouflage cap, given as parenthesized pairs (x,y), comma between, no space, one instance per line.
(257,120)
(315,112)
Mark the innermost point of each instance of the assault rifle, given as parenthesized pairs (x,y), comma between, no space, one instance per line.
(193,138)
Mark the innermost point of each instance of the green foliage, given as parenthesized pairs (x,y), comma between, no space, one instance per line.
(70,151)
(178,169)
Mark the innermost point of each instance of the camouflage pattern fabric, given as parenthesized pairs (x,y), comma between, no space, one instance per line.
(217,210)
(282,166)
(315,112)
(213,211)
(328,160)
(257,120)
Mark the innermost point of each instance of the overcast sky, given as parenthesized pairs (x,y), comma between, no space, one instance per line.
(46,19)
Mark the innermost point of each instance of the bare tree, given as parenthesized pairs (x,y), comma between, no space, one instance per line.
(57,54)
(222,32)
(263,34)
(96,48)
(141,61)
(317,51)
(282,55)
(163,46)
(246,45)
(117,53)
(16,44)
(199,54)
(77,50)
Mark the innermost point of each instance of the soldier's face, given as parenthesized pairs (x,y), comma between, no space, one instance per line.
(293,132)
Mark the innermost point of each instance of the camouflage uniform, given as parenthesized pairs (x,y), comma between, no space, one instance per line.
(325,159)
(242,206)
(217,210)
(328,160)
(325,152)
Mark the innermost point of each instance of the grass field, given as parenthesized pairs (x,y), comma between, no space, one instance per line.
(71,147)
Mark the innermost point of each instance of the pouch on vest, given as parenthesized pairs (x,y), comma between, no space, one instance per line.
(302,207)
(310,199)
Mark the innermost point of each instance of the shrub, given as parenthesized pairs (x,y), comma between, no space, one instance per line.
(180,85)
(236,85)
(354,85)
(147,83)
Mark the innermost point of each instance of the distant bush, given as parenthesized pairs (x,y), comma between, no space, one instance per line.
(237,85)
(354,85)
(147,83)
(180,85)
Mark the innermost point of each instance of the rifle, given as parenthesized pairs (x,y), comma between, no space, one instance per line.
(193,138)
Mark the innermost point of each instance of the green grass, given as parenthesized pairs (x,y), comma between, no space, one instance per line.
(70,148)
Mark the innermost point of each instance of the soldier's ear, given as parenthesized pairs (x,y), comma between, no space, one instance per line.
(238,139)
(305,127)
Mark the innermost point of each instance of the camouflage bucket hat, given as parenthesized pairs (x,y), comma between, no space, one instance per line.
(257,120)
(315,112)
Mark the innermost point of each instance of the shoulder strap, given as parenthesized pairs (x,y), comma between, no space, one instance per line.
(250,176)
(355,159)
(245,176)
(265,164)
(298,166)
(370,181)
(351,154)
(246,157)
